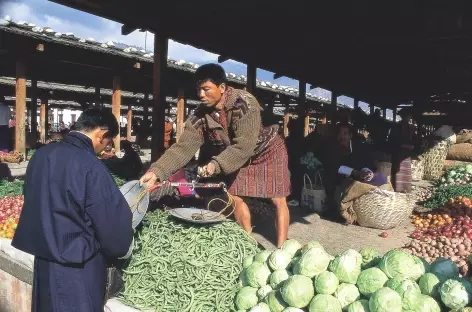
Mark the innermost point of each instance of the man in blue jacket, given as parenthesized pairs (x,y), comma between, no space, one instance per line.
(74,219)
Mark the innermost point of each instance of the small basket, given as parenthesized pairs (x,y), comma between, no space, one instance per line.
(381,209)
(12,157)
(417,169)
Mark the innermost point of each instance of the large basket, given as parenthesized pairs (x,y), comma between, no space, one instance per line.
(434,159)
(382,209)
(417,169)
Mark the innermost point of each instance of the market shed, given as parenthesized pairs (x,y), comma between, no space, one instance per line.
(384,54)
(42,60)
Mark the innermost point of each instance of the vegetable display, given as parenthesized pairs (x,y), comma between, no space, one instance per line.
(355,282)
(456,175)
(442,195)
(11,189)
(10,209)
(179,267)
(445,233)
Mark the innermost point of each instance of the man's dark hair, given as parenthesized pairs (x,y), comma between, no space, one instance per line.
(210,72)
(342,125)
(94,118)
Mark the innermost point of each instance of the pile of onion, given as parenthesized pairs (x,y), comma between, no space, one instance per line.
(10,207)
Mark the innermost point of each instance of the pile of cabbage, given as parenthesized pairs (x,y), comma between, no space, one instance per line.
(298,278)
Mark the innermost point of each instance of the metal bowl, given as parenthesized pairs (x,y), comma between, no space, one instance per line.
(197,216)
(138,202)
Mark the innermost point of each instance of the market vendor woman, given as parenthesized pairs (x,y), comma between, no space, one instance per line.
(250,158)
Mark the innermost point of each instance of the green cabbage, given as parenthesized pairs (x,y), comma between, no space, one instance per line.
(275,301)
(385,300)
(347,266)
(248,261)
(426,304)
(429,284)
(371,280)
(298,291)
(262,256)
(370,257)
(359,306)
(277,277)
(310,245)
(394,282)
(326,283)
(263,291)
(292,309)
(455,293)
(399,263)
(246,298)
(279,259)
(257,274)
(347,294)
(444,267)
(409,291)
(260,307)
(292,246)
(325,303)
(294,260)
(313,262)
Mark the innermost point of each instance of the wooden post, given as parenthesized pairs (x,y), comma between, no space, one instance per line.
(180,114)
(43,119)
(251,79)
(146,109)
(372,109)
(302,109)
(116,108)
(307,124)
(286,120)
(384,113)
(98,98)
(34,109)
(159,101)
(334,98)
(395,114)
(129,117)
(356,103)
(20,107)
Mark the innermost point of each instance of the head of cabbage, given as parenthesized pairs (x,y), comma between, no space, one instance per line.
(427,304)
(444,267)
(279,259)
(359,306)
(371,280)
(246,298)
(298,291)
(347,294)
(326,283)
(455,293)
(311,263)
(277,277)
(399,263)
(347,266)
(292,246)
(257,274)
(325,303)
(260,307)
(370,257)
(385,299)
(429,284)
(275,302)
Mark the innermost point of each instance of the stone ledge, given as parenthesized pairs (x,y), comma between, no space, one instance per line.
(12,267)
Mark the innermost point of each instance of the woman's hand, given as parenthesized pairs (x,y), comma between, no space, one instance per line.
(148,179)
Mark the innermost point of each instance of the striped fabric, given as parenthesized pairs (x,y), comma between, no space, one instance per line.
(402,178)
(266,176)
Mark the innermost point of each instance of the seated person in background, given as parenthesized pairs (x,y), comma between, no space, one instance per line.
(132,164)
(343,152)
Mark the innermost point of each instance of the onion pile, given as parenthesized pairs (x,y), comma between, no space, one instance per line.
(421,194)
(10,209)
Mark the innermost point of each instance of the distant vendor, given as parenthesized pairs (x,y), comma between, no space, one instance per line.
(235,147)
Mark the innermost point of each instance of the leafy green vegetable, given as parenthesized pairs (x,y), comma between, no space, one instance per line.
(359,306)
(11,189)
(326,283)
(313,262)
(371,280)
(291,246)
(325,303)
(277,277)
(399,263)
(347,294)
(385,299)
(297,291)
(279,259)
(347,266)
(442,194)
(429,284)
(370,257)
(257,274)
(246,298)
(455,293)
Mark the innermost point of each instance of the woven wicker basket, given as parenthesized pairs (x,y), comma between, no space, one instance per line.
(12,157)
(434,159)
(382,209)
(417,169)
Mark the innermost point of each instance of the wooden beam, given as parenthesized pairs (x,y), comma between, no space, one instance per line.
(334,98)
(127,29)
(307,124)
(356,103)
(146,108)
(222,59)
(286,120)
(372,109)
(251,78)
(180,114)
(20,108)
(395,114)
(43,119)
(302,106)
(384,113)
(34,109)
(161,45)
(129,123)
(98,97)
(115,108)
(312,87)
(277,76)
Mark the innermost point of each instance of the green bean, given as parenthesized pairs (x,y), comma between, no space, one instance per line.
(179,267)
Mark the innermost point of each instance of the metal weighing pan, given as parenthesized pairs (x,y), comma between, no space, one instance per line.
(139,205)
(197,216)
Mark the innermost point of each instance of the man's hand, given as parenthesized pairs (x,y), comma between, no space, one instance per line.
(209,169)
(366,175)
(148,179)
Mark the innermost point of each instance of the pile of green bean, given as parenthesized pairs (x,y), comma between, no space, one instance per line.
(181,267)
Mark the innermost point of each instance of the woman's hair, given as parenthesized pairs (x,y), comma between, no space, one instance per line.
(210,72)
